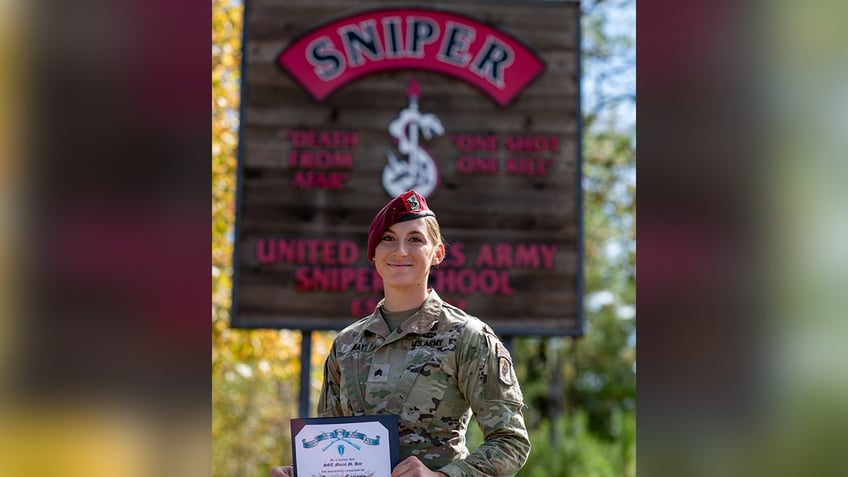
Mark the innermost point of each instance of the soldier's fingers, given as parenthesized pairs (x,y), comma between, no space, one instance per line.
(412,467)
(283,471)
(406,467)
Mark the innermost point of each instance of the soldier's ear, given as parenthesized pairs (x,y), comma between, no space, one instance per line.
(439,256)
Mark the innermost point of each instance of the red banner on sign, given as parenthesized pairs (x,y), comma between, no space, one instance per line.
(345,50)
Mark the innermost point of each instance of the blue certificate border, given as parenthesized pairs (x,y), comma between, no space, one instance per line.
(389,421)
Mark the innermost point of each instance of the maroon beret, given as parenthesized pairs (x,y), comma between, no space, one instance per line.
(407,206)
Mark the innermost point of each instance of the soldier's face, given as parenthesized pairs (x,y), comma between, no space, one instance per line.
(405,253)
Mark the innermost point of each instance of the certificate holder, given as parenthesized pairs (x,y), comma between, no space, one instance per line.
(352,446)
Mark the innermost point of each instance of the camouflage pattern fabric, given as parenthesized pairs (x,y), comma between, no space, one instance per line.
(440,366)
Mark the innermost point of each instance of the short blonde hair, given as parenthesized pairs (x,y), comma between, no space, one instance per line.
(434,230)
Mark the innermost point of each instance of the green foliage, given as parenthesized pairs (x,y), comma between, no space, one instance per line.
(588,385)
(572,450)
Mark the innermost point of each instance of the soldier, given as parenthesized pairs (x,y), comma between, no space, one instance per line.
(425,360)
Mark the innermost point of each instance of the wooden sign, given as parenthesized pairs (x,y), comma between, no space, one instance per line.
(346,104)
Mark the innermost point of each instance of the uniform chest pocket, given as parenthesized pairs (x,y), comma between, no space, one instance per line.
(421,388)
(354,371)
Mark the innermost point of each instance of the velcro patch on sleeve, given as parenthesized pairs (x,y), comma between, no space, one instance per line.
(505,372)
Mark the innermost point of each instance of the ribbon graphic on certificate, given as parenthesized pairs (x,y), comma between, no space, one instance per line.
(344,437)
(355,446)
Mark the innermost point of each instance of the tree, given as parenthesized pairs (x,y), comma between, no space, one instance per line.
(593,378)
(254,373)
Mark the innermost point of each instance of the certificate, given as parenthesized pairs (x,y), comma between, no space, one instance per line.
(355,446)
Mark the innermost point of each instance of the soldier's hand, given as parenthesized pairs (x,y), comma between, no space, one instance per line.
(283,471)
(412,467)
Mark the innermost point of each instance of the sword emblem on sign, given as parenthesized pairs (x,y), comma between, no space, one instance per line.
(418,170)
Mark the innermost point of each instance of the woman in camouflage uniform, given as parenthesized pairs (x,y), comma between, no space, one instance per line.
(425,360)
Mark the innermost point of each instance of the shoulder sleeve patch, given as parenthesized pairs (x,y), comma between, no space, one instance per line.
(498,362)
(505,372)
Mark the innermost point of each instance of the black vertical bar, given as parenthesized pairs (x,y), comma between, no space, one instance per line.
(305,371)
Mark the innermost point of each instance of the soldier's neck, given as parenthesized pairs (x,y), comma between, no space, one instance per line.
(404,300)
(395,318)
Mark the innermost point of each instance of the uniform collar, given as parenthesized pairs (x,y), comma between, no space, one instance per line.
(419,322)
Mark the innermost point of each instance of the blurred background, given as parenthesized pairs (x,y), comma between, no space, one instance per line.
(104,238)
(742,253)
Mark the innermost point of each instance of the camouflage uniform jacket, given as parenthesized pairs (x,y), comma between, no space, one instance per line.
(436,369)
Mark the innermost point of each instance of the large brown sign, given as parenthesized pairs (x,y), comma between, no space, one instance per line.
(346,104)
